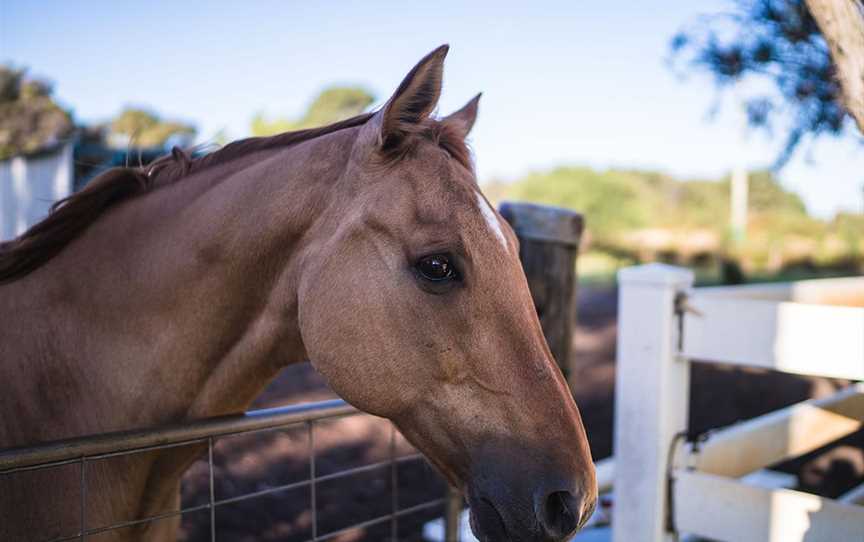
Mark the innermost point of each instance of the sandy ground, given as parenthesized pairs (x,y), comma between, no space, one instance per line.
(720,396)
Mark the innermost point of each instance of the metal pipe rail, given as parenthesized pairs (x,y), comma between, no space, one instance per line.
(140,440)
(82,450)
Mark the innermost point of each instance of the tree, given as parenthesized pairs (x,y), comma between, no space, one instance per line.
(30,119)
(842,24)
(612,201)
(616,202)
(331,105)
(146,129)
(767,195)
(777,42)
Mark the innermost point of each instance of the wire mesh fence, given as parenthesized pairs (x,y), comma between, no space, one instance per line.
(86,453)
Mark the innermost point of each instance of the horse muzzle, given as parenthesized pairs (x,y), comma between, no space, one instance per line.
(546,512)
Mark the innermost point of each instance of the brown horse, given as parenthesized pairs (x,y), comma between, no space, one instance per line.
(178,291)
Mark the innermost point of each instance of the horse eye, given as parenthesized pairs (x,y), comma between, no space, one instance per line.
(436,268)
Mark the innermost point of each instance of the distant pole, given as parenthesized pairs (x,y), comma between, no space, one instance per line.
(739,182)
(738,200)
(549,243)
(452,515)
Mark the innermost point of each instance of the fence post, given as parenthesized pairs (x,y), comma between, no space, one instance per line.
(452,514)
(548,245)
(651,399)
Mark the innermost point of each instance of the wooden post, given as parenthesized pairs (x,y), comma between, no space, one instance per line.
(651,399)
(452,515)
(549,243)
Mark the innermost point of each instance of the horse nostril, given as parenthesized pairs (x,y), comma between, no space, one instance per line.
(560,514)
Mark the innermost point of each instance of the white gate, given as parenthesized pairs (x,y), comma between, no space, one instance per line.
(665,486)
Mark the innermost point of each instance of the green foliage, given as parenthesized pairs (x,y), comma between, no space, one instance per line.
(766,195)
(617,200)
(35,89)
(702,204)
(261,126)
(684,216)
(147,129)
(849,224)
(30,119)
(11,81)
(331,105)
(850,228)
(611,201)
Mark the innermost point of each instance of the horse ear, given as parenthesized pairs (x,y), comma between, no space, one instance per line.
(463,120)
(414,100)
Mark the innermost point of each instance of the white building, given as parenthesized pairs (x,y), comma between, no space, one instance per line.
(29,185)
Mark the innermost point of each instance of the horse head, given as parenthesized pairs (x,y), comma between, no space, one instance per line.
(414,306)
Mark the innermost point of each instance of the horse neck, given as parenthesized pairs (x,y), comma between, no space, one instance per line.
(181,303)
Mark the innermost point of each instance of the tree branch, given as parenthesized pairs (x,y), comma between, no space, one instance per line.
(842,25)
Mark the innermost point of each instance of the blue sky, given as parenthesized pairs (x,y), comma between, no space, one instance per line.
(563,82)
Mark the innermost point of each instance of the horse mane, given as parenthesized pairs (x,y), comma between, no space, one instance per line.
(69,217)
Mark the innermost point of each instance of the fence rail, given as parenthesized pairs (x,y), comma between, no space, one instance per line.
(95,447)
(775,335)
(665,485)
(790,432)
(721,508)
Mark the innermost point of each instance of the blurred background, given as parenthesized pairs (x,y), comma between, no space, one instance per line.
(637,118)
(705,134)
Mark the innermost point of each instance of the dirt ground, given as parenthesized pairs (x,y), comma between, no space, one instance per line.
(720,396)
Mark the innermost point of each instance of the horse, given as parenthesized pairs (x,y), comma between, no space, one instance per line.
(178,290)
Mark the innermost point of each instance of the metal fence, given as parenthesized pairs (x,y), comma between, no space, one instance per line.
(205,432)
